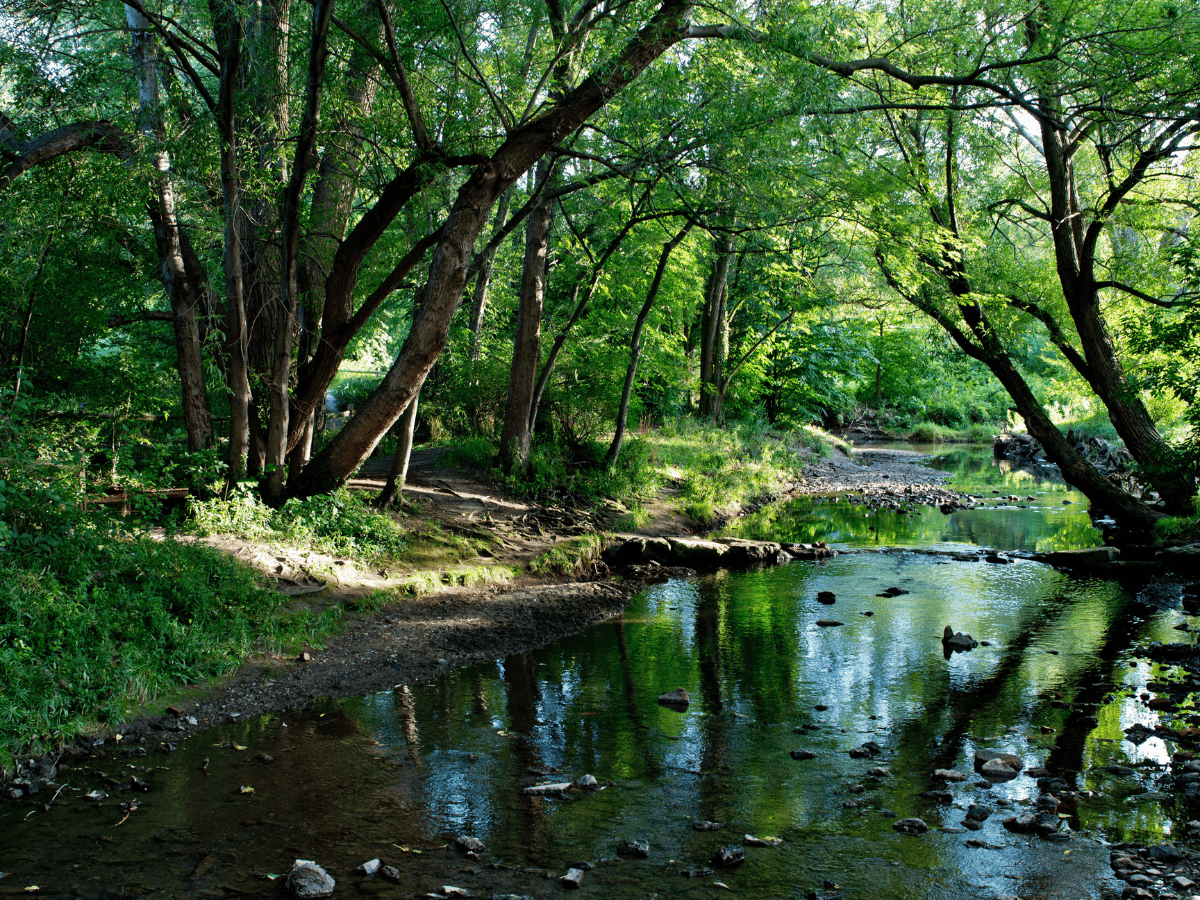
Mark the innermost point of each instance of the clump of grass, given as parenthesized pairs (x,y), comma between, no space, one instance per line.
(569,557)
(930,433)
(340,524)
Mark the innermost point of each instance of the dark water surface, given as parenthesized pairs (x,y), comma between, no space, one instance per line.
(394,775)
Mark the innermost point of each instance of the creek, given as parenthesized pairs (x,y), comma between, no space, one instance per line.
(397,775)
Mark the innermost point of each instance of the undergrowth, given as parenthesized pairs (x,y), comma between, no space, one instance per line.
(340,524)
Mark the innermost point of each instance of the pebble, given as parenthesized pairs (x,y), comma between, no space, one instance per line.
(370,867)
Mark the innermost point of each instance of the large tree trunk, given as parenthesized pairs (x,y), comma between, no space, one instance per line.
(635,348)
(281,368)
(523,147)
(183,291)
(517,436)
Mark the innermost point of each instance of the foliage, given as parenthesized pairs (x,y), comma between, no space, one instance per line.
(340,524)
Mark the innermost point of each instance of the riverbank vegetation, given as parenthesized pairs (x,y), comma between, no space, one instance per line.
(600,249)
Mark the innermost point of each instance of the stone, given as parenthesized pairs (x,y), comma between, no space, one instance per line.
(751,841)
(944,797)
(1165,853)
(803,754)
(370,867)
(449,890)
(470,844)
(573,879)
(910,826)
(826,597)
(949,775)
(829,623)
(707,826)
(1132,892)
(637,849)
(1086,557)
(728,857)
(677,699)
(308,880)
(540,790)
(978,813)
(696,552)
(957,641)
(879,772)
(695,873)
(390,873)
(1021,824)
(1182,883)
(585,782)
(740,552)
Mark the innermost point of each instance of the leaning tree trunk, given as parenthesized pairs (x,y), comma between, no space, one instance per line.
(484,279)
(399,471)
(635,348)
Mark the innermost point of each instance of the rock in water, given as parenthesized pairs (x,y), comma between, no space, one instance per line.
(370,867)
(586,782)
(829,623)
(677,699)
(803,754)
(911,826)
(472,844)
(728,857)
(958,641)
(826,597)
(308,880)
(638,849)
(573,878)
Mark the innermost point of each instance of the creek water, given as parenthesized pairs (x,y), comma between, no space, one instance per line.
(395,775)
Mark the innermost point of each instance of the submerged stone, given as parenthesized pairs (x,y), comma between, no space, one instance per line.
(308,880)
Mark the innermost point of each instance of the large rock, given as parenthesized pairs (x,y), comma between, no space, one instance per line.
(911,826)
(308,880)
(958,641)
(748,553)
(1082,558)
(696,552)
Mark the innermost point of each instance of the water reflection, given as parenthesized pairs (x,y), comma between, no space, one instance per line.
(1049,514)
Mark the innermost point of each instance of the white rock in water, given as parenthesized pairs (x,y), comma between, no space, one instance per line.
(370,867)
(556,788)
(308,880)
(586,781)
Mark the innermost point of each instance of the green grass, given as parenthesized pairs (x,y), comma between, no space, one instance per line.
(340,524)
(87,637)
(720,470)
(569,557)
(933,433)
